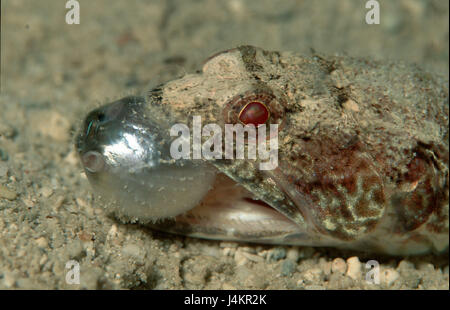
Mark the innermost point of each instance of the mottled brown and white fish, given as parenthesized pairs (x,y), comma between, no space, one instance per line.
(362,154)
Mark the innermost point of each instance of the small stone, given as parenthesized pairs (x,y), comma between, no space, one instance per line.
(46,192)
(7,193)
(426,267)
(263,253)
(58,203)
(229,251)
(112,233)
(43,260)
(98,211)
(293,254)
(253,257)
(28,202)
(338,266)
(389,276)
(85,236)
(240,259)
(211,251)
(9,279)
(41,242)
(350,105)
(81,202)
(313,275)
(405,266)
(288,267)
(354,268)
(277,254)
(174,247)
(326,266)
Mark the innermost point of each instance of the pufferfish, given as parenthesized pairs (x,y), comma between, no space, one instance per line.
(361,153)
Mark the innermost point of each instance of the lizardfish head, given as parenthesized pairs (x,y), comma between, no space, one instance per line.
(270,147)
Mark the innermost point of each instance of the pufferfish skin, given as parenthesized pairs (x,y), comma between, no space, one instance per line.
(361,154)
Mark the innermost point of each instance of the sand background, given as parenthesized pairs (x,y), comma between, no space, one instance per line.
(54,73)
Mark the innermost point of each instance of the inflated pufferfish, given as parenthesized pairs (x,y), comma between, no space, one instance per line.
(361,163)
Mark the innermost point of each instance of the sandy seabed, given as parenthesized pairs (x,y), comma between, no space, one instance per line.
(54,73)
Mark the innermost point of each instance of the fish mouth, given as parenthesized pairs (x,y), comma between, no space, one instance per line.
(228,211)
(125,153)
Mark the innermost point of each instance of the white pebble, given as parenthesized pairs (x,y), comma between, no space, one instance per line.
(253,257)
(354,268)
(313,275)
(389,276)
(43,260)
(325,265)
(240,259)
(41,242)
(338,266)
(112,233)
(229,251)
(46,192)
(28,202)
(293,254)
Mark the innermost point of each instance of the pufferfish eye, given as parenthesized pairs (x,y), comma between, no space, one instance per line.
(101,116)
(95,120)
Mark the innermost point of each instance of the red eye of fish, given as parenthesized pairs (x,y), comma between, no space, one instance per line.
(255,113)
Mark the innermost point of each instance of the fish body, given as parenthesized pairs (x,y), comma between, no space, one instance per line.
(362,153)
